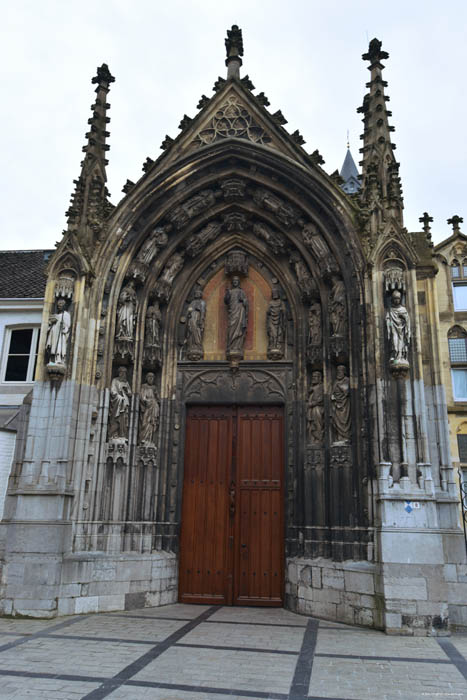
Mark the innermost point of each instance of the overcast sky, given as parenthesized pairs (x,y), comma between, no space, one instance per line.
(304,54)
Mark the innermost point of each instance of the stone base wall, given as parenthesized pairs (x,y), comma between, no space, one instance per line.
(338,591)
(86,582)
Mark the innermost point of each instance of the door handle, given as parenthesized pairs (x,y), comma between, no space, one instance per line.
(232,498)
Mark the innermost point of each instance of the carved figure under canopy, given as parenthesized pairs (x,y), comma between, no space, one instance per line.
(119,408)
(157,240)
(237,306)
(126,321)
(196,314)
(398,331)
(338,308)
(199,240)
(304,278)
(58,333)
(165,281)
(149,412)
(340,402)
(192,207)
(315,409)
(275,326)
(315,335)
(152,335)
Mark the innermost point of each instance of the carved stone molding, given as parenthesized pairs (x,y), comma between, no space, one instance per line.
(315,457)
(341,457)
(247,385)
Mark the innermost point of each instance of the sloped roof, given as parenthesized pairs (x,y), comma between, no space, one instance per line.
(349,169)
(22,273)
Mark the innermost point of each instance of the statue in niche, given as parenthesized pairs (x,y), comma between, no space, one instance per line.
(165,281)
(237,307)
(119,409)
(398,331)
(152,335)
(340,402)
(153,244)
(315,335)
(338,308)
(315,409)
(149,412)
(57,334)
(275,326)
(195,317)
(269,201)
(193,206)
(126,321)
(275,240)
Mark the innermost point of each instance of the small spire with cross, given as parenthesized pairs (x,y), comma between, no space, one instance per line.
(426,220)
(454,221)
(234,49)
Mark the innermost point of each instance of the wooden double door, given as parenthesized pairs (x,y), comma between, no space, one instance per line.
(231,542)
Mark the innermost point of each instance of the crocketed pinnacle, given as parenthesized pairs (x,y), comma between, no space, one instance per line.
(381,187)
(234,49)
(89,202)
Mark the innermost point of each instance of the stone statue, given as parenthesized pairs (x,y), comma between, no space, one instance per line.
(340,402)
(338,308)
(126,320)
(57,334)
(315,409)
(119,409)
(195,317)
(304,278)
(398,331)
(152,335)
(315,335)
(165,281)
(198,241)
(157,240)
(275,326)
(237,307)
(149,411)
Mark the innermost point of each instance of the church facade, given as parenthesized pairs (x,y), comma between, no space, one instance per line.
(232,401)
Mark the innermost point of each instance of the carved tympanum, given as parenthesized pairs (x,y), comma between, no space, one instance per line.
(126,321)
(315,410)
(398,332)
(119,408)
(237,308)
(340,402)
(195,317)
(149,412)
(152,335)
(275,326)
(58,332)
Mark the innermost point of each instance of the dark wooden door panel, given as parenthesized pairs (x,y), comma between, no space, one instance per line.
(204,554)
(259,530)
(231,543)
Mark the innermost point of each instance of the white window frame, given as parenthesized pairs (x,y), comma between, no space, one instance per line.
(458,283)
(32,354)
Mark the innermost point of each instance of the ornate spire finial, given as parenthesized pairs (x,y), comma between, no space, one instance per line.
(454,221)
(234,49)
(381,186)
(374,53)
(426,220)
(89,201)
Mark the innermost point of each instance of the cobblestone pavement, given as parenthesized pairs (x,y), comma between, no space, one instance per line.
(188,652)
